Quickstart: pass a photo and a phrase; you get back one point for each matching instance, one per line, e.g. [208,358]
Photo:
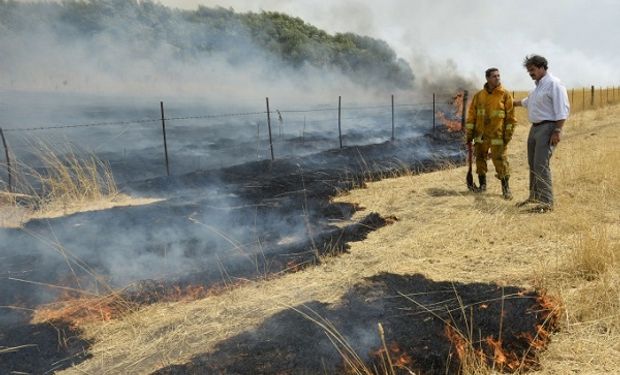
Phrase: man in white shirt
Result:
[548,108]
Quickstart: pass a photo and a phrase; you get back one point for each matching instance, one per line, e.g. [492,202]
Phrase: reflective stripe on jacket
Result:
[491,116]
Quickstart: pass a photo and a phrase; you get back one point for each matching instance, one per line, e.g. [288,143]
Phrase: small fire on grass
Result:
[523,353]
[397,357]
[452,120]
[78,311]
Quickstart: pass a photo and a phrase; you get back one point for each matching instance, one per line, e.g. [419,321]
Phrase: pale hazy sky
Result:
[578,37]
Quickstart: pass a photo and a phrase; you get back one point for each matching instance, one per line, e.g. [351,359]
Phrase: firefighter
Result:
[490,125]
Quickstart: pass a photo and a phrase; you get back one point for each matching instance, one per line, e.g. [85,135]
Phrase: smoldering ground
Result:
[224,218]
[109,70]
[415,315]
[244,221]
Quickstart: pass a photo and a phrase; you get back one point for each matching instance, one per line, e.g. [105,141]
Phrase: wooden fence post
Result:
[339,120]
[269,127]
[163,127]
[392,118]
[8,161]
[583,99]
[592,96]
[607,95]
[433,112]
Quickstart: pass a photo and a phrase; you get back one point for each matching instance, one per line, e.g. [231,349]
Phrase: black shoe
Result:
[482,178]
[506,193]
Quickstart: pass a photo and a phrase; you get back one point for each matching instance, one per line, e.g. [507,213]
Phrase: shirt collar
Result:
[544,78]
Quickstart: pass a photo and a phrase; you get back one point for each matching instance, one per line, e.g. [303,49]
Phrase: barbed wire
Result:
[226,115]
[81,125]
[135,121]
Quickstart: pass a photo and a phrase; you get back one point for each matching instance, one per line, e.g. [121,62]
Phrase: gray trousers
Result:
[539,153]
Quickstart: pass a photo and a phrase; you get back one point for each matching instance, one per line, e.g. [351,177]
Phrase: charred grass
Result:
[443,232]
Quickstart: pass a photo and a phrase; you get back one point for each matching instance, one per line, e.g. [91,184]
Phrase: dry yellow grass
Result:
[67,185]
[446,233]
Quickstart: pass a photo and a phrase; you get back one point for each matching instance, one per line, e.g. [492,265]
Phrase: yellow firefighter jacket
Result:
[491,117]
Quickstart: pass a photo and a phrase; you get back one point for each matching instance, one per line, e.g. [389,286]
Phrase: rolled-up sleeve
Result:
[561,104]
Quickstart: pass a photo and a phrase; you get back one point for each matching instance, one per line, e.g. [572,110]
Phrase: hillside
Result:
[445,234]
[119,31]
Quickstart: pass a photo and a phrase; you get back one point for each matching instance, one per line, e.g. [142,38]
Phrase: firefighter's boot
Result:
[482,178]
[506,193]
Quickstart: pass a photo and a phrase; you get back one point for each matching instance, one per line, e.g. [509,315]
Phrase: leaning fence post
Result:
[163,128]
[8,161]
[392,117]
[269,127]
[339,119]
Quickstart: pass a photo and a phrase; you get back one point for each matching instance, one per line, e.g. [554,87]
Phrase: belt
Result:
[544,122]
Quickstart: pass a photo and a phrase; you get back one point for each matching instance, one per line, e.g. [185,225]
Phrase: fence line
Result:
[285,123]
[226,115]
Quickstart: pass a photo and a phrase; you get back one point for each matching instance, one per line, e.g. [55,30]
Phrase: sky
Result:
[578,37]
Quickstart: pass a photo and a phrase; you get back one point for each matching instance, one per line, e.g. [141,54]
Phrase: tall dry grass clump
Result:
[69,180]
[63,182]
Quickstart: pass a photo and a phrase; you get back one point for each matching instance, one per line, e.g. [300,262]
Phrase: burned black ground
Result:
[414,312]
[293,193]
[41,348]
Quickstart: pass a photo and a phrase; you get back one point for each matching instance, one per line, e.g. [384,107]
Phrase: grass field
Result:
[446,233]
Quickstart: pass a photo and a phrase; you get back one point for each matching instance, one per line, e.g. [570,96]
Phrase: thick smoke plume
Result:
[140,48]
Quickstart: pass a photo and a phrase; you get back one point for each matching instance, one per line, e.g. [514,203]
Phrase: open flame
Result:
[80,310]
[494,352]
[452,120]
[499,357]
[398,357]
[456,338]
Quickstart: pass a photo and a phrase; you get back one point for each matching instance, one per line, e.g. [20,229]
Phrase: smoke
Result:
[122,54]
[578,37]
[111,69]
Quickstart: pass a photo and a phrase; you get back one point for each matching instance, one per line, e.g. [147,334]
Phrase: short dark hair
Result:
[535,60]
[488,72]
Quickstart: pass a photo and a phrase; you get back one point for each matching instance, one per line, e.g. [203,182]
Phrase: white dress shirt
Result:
[548,101]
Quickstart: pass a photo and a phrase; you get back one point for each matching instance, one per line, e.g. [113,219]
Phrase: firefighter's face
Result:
[493,79]
[535,72]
